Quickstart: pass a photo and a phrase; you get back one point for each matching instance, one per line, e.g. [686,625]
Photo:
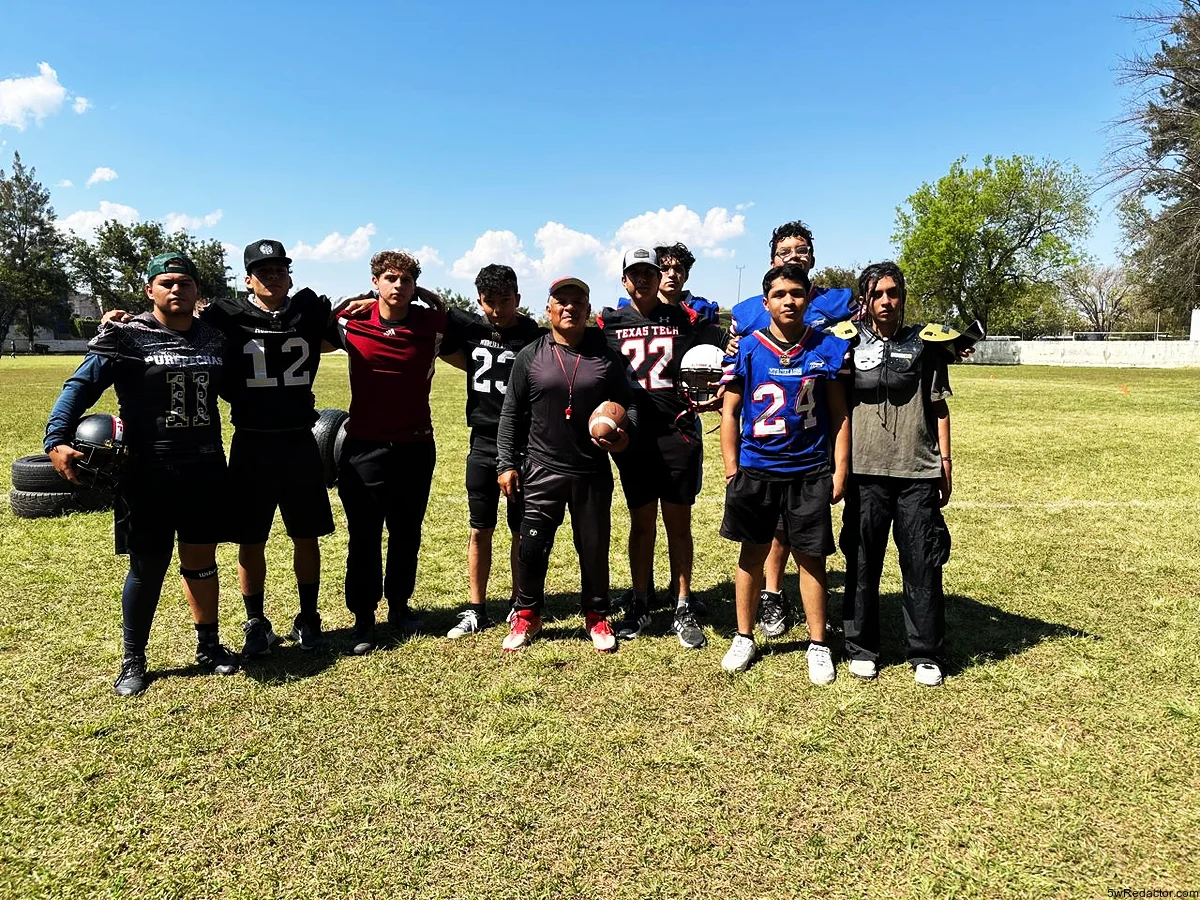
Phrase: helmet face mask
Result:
[100,437]
[700,368]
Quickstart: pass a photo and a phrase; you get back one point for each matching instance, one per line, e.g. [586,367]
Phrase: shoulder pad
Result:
[937,333]
[846,330]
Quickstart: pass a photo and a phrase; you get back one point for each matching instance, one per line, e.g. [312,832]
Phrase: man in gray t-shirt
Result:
[901,475]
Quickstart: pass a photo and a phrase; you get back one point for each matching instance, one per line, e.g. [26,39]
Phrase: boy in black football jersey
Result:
[485,348]
[167,368]
[663,465]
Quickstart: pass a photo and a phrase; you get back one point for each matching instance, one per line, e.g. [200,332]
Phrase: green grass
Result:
[1061,757]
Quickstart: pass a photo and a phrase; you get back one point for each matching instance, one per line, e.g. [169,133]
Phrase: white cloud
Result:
[501,247]
[102,173]
[81,105]
[718,252]
[560,247]
[31,98]
[336,248]
[427,256]
[747,205]
[86,221]
[65,183]
[184,222]
[681,224]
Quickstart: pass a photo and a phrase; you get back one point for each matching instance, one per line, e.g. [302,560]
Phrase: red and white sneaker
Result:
[600,632]
[525,627]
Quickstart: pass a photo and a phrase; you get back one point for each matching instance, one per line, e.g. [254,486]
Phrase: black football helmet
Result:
[100,437]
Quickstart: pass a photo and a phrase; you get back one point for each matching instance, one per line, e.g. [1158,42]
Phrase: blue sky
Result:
[545,135]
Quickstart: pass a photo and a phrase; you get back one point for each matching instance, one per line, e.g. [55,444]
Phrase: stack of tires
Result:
[39,491]
[330,433]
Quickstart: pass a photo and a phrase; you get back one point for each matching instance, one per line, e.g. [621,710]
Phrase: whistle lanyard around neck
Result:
[570,381]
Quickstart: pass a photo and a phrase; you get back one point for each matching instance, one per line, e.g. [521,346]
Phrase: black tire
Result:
[37,474]
[325,431]
[40,504]
[337,449]
[93,500]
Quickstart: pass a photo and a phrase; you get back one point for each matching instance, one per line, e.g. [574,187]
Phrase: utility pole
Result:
[738,297]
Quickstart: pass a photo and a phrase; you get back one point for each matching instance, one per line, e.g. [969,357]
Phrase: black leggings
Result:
[139,599]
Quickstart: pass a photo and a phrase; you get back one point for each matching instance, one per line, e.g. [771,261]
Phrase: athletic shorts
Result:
[666,467]
[754,507]
[277,470]
[483,490]
[155,504]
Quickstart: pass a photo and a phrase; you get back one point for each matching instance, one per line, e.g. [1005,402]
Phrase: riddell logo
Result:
[118,429]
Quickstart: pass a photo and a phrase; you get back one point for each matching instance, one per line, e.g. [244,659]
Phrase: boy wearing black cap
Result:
[167,368]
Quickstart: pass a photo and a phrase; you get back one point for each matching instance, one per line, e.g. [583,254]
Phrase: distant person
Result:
[902,477]
[546,452]
[12,349]
[486,348]
[167,367]
[785,441]
[791,243]
[386,469]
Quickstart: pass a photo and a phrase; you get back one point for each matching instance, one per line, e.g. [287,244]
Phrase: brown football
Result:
[605,419]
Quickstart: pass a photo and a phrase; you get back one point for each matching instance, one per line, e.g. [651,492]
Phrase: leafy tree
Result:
[33,281]
[982,243]
[836,277]
[455,300]
[1157,163]
[112,266]
[1101,294]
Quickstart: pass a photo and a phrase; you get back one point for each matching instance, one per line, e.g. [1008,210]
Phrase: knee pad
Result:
[199,574]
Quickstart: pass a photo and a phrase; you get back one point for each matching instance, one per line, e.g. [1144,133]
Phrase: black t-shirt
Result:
[167,384]
[654,346]
[273,359]
[547,379]
[490,354]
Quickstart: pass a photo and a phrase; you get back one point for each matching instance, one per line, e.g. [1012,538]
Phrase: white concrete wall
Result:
[1118,354]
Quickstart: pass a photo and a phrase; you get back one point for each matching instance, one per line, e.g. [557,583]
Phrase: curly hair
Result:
[870,277]
[397,260]
[496,280]
[678,252]
[796,229]
[790,271]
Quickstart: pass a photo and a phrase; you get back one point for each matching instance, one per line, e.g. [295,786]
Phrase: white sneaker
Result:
[740,655]
[470,621]
[863,668]
[820,664]
[928,674]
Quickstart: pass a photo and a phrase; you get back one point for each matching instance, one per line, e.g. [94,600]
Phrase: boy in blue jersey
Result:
[785,440]
[791,243]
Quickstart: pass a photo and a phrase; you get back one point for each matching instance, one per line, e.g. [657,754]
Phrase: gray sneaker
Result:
[260,637]
[687,628]
[773,613]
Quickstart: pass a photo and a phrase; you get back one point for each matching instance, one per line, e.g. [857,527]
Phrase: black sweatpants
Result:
[875,504]
[383,483]
[548,495]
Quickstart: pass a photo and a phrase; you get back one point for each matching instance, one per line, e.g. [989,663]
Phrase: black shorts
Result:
[156,503]
[483,490]
[269,470]
[666,467]
[754,508]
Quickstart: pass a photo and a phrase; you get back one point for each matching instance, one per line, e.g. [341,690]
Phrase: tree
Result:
[112,266]
[1101,294]
[1157,164]
[455,300]
[979,243]
[33,281]
[836,277]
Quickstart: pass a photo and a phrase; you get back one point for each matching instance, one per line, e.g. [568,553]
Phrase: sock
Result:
[254,605]
[308,598]
[364,620]
[480,609]
[682,603]
[748,637]
[207,634]
[813,643]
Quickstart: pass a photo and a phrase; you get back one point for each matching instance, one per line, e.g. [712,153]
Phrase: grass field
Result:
[1059,759]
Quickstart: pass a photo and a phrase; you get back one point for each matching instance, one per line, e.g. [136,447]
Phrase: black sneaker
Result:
[619,608]
[773,613]
[687,628]
[403,620]
[260,637]
[217,659]
[306,631]
[635,621]
[362,638]
[133,678]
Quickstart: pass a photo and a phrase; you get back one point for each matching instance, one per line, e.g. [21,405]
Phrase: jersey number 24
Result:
[769,423]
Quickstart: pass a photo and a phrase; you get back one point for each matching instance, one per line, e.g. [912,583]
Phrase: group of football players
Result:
[813,409]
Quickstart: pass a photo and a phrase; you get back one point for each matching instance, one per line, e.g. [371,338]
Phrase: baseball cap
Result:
[639,256]
[261,251]
[171,262]
[569,282]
